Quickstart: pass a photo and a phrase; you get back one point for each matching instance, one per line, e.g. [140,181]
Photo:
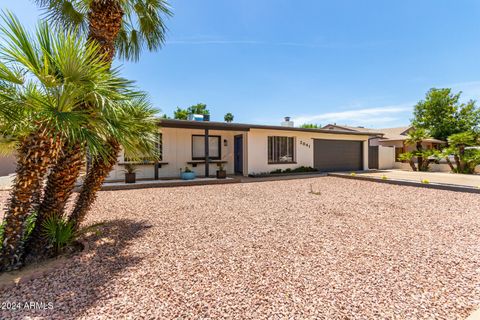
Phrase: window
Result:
[198,147]
[281,149]
[158,149]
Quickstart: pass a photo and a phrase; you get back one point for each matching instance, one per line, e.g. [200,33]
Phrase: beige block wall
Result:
[177,151]
[386,157]
[7,165]
[258,148]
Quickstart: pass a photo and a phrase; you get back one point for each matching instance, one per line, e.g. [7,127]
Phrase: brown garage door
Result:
[337,155]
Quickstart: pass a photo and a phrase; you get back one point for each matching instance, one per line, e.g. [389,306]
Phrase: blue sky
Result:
[350,62]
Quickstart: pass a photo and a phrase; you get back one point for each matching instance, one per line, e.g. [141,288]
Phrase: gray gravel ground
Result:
[357,250]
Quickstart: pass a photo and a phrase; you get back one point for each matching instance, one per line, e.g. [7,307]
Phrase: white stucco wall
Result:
[386,157]
[177,151]
[258,148]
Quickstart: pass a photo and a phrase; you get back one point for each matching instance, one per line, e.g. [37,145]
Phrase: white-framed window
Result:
[158,147]
[198,147]
[281,149]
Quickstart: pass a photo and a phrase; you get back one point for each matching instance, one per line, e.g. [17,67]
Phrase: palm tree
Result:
[465,160]
[416,137]
[125,26]
[46,79]
[228,117]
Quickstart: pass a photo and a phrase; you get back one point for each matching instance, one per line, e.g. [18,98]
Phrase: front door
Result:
[238,154]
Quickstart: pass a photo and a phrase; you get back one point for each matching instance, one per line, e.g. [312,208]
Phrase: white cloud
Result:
[373,117]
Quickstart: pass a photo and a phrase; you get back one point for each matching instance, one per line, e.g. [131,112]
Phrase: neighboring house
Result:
[250,149]
[391,137]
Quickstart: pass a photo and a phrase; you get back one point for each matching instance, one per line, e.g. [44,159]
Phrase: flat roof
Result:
[213,125]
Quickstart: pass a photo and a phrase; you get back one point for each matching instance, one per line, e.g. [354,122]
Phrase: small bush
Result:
[353,174]
[425,181]
[296,170]
[59,232]
[384,177]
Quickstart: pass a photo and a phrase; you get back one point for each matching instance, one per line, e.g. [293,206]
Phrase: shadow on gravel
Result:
[78,285]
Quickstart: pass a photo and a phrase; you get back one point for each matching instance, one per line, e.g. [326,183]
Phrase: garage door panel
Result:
[338,155]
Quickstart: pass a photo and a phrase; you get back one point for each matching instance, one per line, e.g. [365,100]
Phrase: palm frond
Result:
[143,27]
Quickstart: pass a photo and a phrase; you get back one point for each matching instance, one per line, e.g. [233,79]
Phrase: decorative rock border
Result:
[430,185]
[22,276]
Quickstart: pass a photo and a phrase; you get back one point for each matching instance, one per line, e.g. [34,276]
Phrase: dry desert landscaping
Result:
[349,250]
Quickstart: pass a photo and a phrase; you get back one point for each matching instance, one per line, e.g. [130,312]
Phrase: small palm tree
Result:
[416,137]
[465,160]
[46,79]
[228,117]
[125,26]
[408,157]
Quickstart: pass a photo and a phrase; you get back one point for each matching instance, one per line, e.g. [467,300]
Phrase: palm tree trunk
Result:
[93,182]
[34,156]
[450,164]
[60,184]
[105,21]
[412,164]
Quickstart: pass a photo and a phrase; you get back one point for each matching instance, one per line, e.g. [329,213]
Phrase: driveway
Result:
[469,180]
[326,248]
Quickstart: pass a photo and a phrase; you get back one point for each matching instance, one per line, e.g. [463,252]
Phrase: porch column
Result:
[156,165]
[207,158]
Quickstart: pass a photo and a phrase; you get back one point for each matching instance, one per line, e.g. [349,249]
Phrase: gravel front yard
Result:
[271,250]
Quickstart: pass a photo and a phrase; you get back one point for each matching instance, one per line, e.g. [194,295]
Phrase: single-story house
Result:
[391,137]
[246,149]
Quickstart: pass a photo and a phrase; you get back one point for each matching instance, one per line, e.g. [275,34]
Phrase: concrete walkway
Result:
[469,180]
[6,182]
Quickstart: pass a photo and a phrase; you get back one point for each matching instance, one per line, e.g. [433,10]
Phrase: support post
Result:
[156,170]
[207,156]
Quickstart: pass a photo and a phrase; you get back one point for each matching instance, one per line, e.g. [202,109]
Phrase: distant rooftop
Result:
[388,134]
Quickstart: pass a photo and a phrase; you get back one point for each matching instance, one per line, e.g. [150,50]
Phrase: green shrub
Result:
[384,177]
[29,225]
[2,230]
[425,181]
[296,170]
[61,232]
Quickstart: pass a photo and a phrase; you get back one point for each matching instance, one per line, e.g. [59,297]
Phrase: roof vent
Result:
[287,122]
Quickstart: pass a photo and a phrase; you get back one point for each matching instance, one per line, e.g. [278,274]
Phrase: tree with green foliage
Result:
[466,159]
[228,117]
[442,114]
[180,114]
[310,126]
[199,108]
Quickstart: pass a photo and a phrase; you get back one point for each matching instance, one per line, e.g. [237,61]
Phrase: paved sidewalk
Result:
[469,180]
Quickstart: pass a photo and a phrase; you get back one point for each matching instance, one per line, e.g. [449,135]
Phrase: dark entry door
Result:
[337,155]
[373,157]
[238,154]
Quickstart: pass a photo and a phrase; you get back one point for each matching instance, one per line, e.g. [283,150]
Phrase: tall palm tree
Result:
[123,26]
[45,81]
